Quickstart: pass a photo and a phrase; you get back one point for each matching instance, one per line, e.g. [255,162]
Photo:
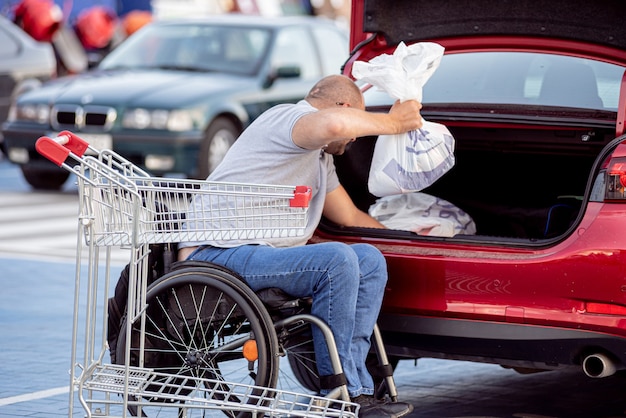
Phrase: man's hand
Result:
[407,115]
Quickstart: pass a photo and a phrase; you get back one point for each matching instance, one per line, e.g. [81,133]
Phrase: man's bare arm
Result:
[340,209]
[317,129]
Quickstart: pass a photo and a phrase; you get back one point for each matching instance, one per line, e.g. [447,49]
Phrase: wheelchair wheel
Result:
[298,367]
[198,322]
[297,345]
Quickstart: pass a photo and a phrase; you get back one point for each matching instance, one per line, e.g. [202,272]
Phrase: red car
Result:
[534,94]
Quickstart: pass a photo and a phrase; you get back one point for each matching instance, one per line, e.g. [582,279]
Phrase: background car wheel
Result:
[220,136]
[43,178]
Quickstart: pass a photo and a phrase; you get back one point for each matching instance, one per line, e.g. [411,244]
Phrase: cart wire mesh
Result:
[131,209]
[147,387]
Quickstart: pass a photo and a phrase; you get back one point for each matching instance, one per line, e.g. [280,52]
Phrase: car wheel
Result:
[43,178]
[220,136]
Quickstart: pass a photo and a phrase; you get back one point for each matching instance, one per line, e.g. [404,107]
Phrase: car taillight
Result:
[605,309]
[616,179]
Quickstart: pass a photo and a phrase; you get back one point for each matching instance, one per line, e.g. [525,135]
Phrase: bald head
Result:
[335,90]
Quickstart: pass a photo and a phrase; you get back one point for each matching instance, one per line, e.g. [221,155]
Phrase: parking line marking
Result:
[34,395]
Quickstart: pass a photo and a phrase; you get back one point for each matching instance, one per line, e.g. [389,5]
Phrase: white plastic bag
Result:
[412,161]
[423,214]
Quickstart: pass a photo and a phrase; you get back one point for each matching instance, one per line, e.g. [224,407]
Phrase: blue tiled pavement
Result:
[36,311]
[36,305]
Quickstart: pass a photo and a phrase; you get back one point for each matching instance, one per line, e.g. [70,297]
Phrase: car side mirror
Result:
[290,71]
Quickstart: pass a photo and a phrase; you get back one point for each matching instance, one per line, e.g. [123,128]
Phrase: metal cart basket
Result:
[122,206]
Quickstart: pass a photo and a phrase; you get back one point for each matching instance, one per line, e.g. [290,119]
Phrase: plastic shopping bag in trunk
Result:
[414,160]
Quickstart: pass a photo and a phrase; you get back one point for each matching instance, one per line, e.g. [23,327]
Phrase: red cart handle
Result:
[301,197]
[58,149]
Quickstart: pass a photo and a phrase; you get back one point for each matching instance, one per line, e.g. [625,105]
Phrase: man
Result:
[293,144]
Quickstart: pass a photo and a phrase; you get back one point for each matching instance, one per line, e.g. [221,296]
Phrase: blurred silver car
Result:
[24,63]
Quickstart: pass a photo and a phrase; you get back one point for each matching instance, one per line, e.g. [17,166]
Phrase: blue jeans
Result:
[346,282]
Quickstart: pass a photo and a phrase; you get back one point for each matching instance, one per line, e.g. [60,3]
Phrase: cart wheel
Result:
[204,322]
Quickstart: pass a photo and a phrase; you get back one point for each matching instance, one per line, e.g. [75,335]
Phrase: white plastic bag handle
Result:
[403,74]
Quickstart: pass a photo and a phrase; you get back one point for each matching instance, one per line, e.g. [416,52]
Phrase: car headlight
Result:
[30,112]
[171,120]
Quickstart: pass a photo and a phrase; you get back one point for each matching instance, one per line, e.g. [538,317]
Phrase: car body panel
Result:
[24,63]
[466,281]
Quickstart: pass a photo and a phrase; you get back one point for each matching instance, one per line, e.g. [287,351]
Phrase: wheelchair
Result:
[202,320]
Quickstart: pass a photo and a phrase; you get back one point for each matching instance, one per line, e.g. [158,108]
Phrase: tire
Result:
[192,314]
[220,136]
[44,178]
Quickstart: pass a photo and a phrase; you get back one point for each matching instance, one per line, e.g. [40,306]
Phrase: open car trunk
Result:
[531,102]
[520,184]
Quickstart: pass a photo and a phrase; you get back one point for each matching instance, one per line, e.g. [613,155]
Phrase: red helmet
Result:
[39,18]
[95,27]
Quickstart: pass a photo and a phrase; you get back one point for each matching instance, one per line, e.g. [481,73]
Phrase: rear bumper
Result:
[515,345]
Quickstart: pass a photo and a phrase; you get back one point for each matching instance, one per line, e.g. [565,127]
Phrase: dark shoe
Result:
[372,408]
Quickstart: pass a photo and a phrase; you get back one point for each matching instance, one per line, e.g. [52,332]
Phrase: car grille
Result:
[81,117]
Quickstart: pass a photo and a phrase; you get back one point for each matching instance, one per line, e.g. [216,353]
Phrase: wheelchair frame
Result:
[181,330]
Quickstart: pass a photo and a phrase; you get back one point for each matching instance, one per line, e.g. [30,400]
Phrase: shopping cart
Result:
[197,339]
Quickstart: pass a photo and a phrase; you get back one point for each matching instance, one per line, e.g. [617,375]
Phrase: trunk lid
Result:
[598,22]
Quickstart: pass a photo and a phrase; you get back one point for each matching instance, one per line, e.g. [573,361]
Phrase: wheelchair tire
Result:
[192,315]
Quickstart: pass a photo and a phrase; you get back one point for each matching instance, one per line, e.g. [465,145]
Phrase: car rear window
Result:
[520,79]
